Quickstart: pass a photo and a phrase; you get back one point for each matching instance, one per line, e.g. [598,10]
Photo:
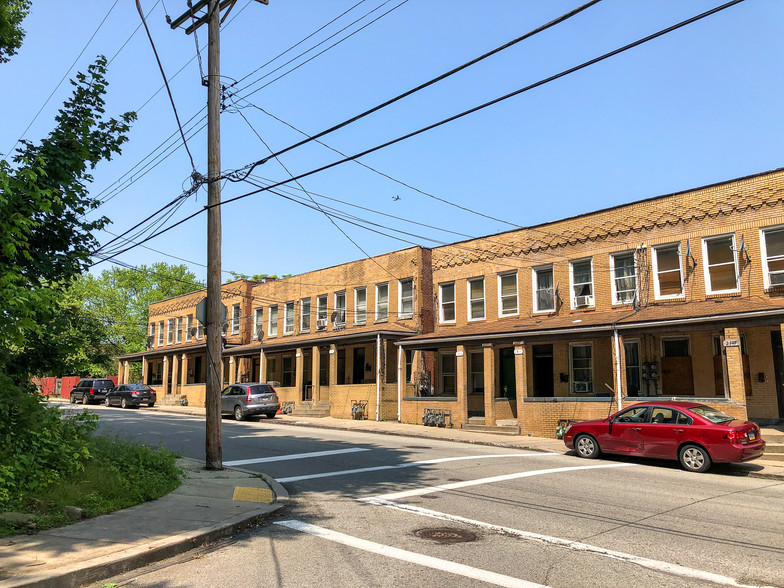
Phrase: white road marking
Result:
[409,464]
[294,456]
[410,556]
[491,480]
[651,564]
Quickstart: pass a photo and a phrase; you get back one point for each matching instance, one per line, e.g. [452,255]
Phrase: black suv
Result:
[91,390]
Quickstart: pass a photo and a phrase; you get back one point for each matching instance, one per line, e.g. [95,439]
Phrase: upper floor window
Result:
[235,319]
[773,255]
[321,312]
[170,331]
[406,306]
[304,315]
[667,269]
[151,339]
[340,308]
[178,332]
[258,324]
[507,294]
[544,289]
[721,264]
[360,306]
[476,299]
[272,329]
[624,277]
[189,328]
[582,282]
[382,302]
[447,299]
[288,318]
[160,333]
[199,330]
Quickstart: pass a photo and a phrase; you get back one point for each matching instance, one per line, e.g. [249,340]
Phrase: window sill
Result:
[430,398]
[723,294]
[567,399]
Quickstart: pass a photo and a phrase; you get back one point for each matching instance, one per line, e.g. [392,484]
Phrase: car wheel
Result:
[270,415]
[238,416]
[694,458]
[106,401]
[84,399]
[151,404]
[73,399]
[124,403]
[586,446]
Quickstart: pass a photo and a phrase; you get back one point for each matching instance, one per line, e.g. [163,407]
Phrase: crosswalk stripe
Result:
[239,462]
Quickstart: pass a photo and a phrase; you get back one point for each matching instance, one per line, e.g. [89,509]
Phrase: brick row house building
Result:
[677,296]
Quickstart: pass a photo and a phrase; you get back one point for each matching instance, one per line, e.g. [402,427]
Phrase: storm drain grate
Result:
[446,535]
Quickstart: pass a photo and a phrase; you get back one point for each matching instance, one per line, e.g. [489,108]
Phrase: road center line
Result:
[409,556]
[651,564]
[409,464]
[238,462]
[491,480]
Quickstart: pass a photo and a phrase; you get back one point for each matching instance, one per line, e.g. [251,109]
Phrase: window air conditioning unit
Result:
[583,300]
[321,324]
[583,387]
[777,279]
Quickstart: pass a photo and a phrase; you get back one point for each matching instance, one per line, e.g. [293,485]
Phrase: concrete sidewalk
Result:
[208,505]
[760,468]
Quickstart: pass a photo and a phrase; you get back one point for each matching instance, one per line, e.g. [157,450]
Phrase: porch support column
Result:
[144,370]
[521,380]
[737,388]
[126,372]
[175,374]
[315,373]
[462,384]
[490,382]
[232,371]
[262,367]
[120,373]
[416,371]
[165,383]
[333,366]
[184,375]
[401,376]
[298,375]
[618,367]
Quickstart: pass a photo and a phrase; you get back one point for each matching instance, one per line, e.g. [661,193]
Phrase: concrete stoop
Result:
[170,399]
[497,430]
[309,409]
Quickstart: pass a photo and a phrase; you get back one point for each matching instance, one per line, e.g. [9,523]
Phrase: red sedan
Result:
[695,434]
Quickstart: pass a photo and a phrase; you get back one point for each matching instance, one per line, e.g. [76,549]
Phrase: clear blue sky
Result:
[697,106]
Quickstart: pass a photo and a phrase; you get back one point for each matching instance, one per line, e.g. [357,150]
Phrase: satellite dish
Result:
[194,330]
[225,328]
[223,342]
[334,317]
[259,333]
[150,341]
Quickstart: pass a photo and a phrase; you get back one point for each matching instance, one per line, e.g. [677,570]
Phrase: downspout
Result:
[378,374]
[399,383]
[618,380]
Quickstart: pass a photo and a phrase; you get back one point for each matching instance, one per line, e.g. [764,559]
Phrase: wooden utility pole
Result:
[212,16]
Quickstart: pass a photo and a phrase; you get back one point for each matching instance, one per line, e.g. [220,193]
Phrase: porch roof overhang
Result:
[287,343]
[657,315]
[157,353]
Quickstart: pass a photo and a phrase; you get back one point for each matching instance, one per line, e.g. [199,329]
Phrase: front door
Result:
[677,371]
[543,370]
[358,370]
[778,365]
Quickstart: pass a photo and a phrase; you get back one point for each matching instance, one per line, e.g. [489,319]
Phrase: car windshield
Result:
[260,389]
[713,415]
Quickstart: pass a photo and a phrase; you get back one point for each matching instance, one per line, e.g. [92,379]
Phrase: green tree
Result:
[255,277]
[12,13]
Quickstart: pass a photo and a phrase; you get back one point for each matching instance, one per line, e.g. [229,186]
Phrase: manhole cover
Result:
[446,535]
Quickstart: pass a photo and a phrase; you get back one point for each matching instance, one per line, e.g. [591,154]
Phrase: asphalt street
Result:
[375,510]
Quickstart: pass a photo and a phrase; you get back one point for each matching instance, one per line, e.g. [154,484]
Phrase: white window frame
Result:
[199,330]
[656,290]
[340,318]
[534,287]
[272,325]
[178,331]
[572,284]
[442,303]
[288,318]
[379,305]
[304,315]
[188,327]
[152,333]
[516,310]
[170,331]
[258,322]
[470,300]
[235,319]
[764,254]
[707,265]
[400,313]
[322,311]
[360,309]
[160,334]
[572,381]
[614,278]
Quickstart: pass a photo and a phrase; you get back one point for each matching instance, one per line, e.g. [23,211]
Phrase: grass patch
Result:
[117,475]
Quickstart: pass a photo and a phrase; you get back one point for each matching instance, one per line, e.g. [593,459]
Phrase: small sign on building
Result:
[731,343]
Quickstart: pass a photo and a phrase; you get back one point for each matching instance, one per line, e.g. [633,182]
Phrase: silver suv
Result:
[254,398]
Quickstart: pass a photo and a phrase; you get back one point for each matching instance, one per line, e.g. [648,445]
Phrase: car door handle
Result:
[678,430]
[638,429]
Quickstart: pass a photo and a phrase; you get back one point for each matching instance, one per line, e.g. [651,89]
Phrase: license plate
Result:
[752,436]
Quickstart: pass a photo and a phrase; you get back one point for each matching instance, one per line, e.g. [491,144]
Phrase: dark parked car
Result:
[128,395]
[255,398]
[91,390]
[695,434]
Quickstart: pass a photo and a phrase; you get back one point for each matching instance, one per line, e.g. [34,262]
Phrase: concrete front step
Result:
[170,399]
[498,430]
[777,457]
[308,409]
[774,448]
